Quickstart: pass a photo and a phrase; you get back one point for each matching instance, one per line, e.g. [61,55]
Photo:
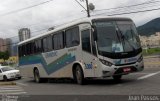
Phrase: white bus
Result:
[96,47]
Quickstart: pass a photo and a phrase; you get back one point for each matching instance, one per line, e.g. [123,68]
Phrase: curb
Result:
[7,83]
[158,56]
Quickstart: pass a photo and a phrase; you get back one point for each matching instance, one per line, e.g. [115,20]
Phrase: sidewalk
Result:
[6,83]
[152,56]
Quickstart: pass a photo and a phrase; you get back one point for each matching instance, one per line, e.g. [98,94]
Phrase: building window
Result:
[72,37]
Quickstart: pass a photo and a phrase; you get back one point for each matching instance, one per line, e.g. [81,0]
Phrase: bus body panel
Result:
[62,60]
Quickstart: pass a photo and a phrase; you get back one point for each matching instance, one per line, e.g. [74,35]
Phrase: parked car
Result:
[8,73]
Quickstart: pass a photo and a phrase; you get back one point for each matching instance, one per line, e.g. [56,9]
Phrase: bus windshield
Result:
[116,36]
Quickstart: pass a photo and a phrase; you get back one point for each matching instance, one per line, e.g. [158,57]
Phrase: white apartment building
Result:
[151,41]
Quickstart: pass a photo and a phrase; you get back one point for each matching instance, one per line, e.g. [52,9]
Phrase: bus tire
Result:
[5,78]
[117,77]
[19,78]
[79,76]
[37,76]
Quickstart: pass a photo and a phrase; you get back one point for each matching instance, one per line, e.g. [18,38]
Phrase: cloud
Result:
[55,13]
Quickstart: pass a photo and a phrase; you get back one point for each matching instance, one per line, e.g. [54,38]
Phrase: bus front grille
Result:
[121,70]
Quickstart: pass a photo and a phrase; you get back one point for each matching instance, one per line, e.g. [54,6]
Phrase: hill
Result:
[149,28]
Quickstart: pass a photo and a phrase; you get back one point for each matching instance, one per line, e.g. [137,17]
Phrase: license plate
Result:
[126,69]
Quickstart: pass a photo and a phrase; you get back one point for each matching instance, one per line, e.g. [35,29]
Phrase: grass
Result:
[151,51]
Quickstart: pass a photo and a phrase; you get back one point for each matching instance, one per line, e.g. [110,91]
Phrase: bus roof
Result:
[75,22]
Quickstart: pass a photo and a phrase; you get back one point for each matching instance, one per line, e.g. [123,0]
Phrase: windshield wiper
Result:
[123,37]
[119,39]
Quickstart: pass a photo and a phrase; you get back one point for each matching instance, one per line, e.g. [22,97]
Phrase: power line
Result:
[22,9]
[9,44]
[131,8]
[148,2]
[56,25]
[129,12]
[87,5]
[37,31]
[32,33]
[81,5]
[108,15]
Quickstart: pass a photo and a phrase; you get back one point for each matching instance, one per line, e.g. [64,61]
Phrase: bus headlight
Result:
[140,59]
[106,62]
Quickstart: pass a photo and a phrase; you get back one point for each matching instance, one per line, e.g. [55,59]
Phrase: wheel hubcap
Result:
[36,77]
[78,76]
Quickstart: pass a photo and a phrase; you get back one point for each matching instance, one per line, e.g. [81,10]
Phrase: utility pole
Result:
[89,7]
[88,12]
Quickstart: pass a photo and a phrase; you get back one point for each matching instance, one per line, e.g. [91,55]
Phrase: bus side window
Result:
[23,50]
[20,51]
[27,48]
[44,42]
[49,43]
[55,41]
[93,45]
[36,50]
[58,41]
[32,47]
[40,49]
[72,37]
[86,46]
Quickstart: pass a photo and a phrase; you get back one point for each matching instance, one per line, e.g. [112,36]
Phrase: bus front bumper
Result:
[123,70]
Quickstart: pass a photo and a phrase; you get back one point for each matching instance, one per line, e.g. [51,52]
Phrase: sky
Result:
[57,12]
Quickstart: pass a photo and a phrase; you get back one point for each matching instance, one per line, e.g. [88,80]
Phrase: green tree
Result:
[4,55]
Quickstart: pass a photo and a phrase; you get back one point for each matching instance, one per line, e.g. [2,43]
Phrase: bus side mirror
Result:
[94,31]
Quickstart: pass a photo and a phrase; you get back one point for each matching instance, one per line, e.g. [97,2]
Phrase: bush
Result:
[151,51]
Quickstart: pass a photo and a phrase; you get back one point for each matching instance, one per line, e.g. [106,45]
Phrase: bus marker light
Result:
[95,66]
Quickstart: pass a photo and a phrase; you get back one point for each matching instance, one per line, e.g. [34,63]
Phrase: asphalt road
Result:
[146,82]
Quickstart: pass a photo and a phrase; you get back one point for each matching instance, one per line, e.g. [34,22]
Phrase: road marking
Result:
[147,76]
[12,90]
[10,87]
[17,93]
[22,84]
[140,73]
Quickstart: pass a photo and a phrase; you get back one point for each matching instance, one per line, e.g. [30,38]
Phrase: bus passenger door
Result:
[87,55]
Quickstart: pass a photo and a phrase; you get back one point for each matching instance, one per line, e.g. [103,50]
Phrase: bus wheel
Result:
[37,76]
[117,77]
[79,75]
[5,78]
[19,77]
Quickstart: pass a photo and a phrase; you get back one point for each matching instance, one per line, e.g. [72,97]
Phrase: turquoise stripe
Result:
[50,68]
